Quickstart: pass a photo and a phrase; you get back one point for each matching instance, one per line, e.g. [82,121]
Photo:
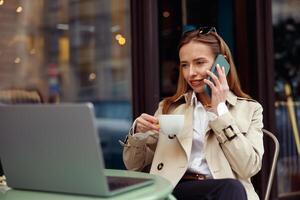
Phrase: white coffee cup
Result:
[171,124]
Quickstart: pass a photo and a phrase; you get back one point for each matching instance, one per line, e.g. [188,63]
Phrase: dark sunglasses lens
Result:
[202,30]
[206,30]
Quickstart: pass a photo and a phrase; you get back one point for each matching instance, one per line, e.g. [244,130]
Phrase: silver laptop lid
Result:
[52,148]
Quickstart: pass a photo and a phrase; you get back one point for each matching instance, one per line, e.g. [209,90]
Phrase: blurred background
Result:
[122,57]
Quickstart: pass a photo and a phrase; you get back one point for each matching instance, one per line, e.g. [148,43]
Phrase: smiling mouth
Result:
[195,83]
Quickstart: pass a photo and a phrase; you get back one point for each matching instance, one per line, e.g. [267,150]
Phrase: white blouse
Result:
[197,162]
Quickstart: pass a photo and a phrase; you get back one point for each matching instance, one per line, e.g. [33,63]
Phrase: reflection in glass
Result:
[72,50]
[286,27]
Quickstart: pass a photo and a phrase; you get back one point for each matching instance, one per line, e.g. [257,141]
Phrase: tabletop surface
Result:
[161,189]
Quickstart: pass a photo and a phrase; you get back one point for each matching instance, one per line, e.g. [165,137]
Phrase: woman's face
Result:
[195,59]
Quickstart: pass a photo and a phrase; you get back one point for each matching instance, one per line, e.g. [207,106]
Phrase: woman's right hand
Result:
[146,123]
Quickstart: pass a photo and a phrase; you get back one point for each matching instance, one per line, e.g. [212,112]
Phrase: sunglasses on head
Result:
[201,30]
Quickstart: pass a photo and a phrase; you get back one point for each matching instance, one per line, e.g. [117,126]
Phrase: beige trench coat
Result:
[239,158]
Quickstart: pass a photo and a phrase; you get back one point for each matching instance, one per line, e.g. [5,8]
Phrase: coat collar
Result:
[186,96]
[231,97]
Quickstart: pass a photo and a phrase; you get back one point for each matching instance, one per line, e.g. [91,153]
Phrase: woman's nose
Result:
[196,70]
[193,70]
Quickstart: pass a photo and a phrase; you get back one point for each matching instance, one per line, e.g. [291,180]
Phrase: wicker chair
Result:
[17,96]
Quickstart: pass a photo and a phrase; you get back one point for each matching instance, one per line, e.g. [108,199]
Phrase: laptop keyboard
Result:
[116,183]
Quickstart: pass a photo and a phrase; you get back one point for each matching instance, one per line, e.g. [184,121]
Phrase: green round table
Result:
[161,189]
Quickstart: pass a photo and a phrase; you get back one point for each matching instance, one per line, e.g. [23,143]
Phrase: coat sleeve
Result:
[139,148]
[244,152]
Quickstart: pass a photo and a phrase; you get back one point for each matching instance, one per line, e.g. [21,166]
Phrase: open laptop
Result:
[56,148]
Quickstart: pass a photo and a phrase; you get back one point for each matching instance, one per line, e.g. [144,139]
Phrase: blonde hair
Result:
[218,46]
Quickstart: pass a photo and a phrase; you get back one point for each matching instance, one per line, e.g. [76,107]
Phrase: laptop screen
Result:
[52,148]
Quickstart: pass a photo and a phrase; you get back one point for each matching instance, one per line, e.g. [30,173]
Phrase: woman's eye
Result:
[183,65]
[199,63]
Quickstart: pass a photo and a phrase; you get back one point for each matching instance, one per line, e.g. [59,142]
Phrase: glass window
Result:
[286,27]
[72,51]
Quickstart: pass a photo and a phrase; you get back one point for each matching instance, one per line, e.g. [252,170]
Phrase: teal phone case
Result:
[220,59]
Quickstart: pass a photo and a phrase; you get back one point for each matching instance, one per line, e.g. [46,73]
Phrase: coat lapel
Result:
[186,137]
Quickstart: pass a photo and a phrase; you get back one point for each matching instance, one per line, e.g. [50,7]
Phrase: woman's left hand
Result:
[219,87]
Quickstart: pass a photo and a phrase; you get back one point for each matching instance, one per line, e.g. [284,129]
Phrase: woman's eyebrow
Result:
[183,61]
[200,59]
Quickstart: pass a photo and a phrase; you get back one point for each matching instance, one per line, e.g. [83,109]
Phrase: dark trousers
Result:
[210,189]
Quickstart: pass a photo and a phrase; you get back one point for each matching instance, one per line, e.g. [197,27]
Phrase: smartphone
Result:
[220,59]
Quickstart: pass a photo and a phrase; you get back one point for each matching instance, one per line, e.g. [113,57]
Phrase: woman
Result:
[221,146]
